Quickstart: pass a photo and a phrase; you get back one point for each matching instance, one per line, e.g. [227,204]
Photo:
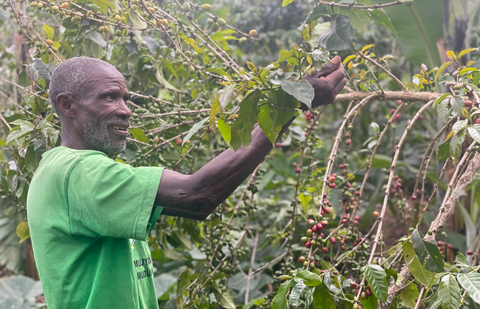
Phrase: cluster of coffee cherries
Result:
[309,116]
[443,247]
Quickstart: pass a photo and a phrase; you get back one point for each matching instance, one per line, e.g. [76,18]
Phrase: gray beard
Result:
[97,136]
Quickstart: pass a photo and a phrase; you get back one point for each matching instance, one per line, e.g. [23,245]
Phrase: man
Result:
[89,216]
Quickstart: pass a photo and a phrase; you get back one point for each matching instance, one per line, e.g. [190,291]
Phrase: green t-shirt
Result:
[89,219]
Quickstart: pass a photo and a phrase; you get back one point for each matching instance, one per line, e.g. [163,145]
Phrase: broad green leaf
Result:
[138,135]
[318,11]
[285,54]
[286,2]
[459,125]
[295,293]
[23,231]
[226,95]
[474,134]
[410,295]
[322,299]
[359,19]
[227,300]
[440,70]
[419,246]
[449,292]
[414,265]
[457,104]
[251,66]
[456,144]
[375,128]
[435,261]
[95,50]
[194,129]
[418,29]
[280,300]
[440,99]
[370,303]
[471,283]
[443,152]
[153,46]
[49,32]
[329,283]
[31,161]
[377,278]
[443,111]
[214,110]
[465,51]
[267,117]
[309,278]
[247,116]
[96,38]
[183,239]
[462,261]
[339,37]
[104,4]
[434,280]
[302,91]
[381,17]
[135,20]
[317,31]
[225,130]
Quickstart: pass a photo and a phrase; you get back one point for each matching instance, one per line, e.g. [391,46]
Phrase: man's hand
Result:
[327,82]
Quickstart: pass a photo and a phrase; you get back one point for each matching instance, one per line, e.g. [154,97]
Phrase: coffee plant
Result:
[359,203]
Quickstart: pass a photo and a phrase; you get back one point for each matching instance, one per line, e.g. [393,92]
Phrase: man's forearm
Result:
[203,191]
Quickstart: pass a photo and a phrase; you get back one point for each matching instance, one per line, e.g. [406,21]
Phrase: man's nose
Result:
[124,111]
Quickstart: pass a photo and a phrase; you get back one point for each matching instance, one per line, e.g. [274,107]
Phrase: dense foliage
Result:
[350,209]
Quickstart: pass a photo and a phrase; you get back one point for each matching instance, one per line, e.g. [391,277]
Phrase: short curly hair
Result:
[71,77]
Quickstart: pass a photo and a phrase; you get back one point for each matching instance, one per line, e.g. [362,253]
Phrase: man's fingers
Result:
[328,68]
[340,85]
[336,77]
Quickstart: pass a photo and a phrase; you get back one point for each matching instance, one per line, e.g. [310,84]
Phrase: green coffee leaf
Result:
[96,38]
[309,278]
[377,278]
[457,104]
[318,11]
[410,295]
[23,231]
[339,37]
[225,130]
[322,299]
[443,152]
[459,125]
[49,32]
[381,17]
[247,116]
[474,134]
[419,246]
[194,129]
[302,91]
[456,144]
[294,299]
[471,283]
[280,300]
[369,303]
[435,262]
[138,135]
[414,265]
[449,292]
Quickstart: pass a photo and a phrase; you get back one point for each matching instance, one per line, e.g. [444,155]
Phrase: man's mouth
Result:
[120,130]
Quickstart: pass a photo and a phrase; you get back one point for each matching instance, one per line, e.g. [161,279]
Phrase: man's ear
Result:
[66,105]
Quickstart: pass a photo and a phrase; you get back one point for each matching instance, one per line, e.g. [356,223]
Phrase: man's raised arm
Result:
[196,196]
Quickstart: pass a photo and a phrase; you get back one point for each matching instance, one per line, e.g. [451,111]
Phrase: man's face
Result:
[104,113]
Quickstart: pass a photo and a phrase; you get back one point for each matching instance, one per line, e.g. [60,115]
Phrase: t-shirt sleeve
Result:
[111,199]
